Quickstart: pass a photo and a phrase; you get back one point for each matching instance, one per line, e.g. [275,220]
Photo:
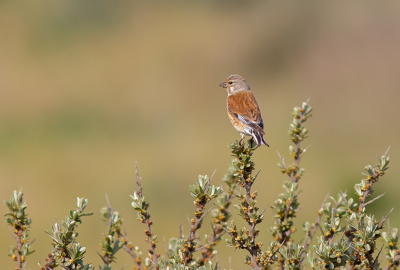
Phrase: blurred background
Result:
[88,87]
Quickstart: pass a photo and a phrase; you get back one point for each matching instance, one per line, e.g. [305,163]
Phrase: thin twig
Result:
[374,199]
[13,234]
[344,195]
[376,259]
[166,251]
[217,233]
[165,247]
[276,251]
[103,259]
[107,260]
[341,238]
[265,208]
[188,219]
[200,248]
[282,159]
[198,238]
[319,225]
[218,267]
[138,180]
[209,182]
[208,211]
[111,212]
[153,255]
[331,239]
[233,194]
[387,151]
[225,229]
[380,226]
[130,251]
[316,224]
[255,177]
[302,153]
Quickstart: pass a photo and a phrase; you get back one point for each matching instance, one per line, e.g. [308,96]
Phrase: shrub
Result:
[347,232]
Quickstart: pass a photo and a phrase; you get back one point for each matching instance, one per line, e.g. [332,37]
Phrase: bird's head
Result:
[235,83]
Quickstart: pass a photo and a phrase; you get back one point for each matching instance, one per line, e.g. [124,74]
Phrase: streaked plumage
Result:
[243,110]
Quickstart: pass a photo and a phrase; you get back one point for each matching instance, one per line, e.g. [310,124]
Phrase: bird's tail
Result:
[263,141]
[259,138]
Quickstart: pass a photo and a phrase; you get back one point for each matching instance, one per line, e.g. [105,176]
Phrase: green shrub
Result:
[347,239]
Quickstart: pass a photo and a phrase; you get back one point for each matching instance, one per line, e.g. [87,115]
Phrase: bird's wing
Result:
[244,106]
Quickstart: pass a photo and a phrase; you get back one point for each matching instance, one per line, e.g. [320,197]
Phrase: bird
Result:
[243,110]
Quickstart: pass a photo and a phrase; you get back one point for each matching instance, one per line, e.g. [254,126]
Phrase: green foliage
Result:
[180,250]
[20,223]
[245,237]
[328,256]
[292,256]
[347,240]
[221,215]
[286,207]
[112,243]
[66,252]
[392,251]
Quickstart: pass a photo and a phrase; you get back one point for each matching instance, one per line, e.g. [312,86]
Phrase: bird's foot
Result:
[251,141]
[241,142]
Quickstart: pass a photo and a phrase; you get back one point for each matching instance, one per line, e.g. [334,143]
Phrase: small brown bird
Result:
[243,109]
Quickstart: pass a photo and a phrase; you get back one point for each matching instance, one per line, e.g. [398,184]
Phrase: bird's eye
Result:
[230,82]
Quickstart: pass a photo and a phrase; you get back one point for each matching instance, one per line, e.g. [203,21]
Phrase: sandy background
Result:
[88,87]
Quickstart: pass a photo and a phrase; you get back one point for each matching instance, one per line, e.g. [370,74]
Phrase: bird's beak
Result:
[223,85]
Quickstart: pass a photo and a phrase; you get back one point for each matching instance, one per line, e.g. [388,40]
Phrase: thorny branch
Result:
[147,221]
